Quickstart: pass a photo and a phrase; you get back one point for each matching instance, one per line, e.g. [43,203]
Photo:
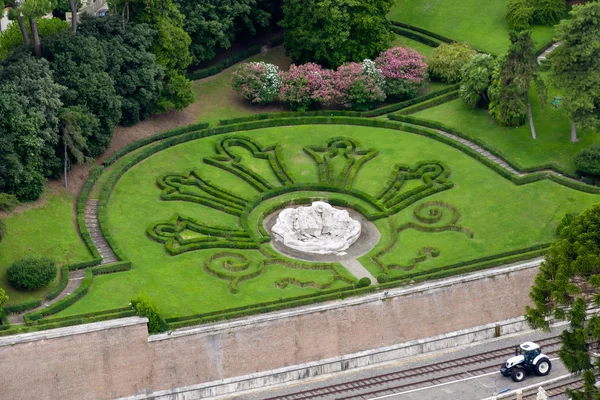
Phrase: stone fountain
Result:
[318,228]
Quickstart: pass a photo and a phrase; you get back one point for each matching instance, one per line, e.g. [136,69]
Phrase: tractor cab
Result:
[528,358]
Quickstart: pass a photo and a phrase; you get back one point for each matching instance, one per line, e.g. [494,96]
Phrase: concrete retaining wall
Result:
[117,359]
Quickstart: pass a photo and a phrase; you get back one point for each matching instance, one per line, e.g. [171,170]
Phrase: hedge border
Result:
[337,113]
[78,293]
[436,125]
[276,122]
[436,101]
[234,59]
[423,31]
[411,34]
[4,323]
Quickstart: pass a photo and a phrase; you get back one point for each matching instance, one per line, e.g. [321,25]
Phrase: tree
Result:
[476,79]
[29,127]
[79,63]
[75,121]
[447,61]
[139,78]
[576,66]
[213,24]
[510,104]
[171,46]
[332,32]
[12,38]
[33,9]
[570,277]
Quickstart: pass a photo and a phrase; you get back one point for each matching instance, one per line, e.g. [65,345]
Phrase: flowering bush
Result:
[403,70]
[304,85]
[355,89]
[257,82]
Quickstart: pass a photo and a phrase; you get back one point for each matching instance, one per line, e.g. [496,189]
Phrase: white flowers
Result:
[371,70]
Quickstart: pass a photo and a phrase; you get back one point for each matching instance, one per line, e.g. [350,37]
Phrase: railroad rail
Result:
[401,381]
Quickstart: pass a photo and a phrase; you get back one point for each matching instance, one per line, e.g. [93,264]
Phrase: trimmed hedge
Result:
[428,41]
[78,293]
[160,136]
[17,308]
[122,312]
[430,103]
[423,31]
[234,59]
[337,113]
[62,284]
[4,324]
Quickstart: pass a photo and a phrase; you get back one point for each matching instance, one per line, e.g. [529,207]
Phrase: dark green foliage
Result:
[29,105]
[587,162]
[447,61]
[568,278]
[137,75]
[364,282]
[8,202]
[383,278]
[564,223]
[476,79]
[512,79]
[31,273]
[12,38]
[524,13]
[3,298]
[80,64]
[576,65]
[145,307]
[332,32]
[214,24]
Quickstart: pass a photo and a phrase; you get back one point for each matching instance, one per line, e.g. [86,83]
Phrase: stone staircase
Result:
[91,222]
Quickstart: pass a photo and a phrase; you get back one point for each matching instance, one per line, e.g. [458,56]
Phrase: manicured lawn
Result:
[553,143]
[481,23]
[49,231]
[216,99]
[499,213]
[403,41]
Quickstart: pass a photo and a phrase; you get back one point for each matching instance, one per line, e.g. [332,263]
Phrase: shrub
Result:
[145,307]
[476,79]
[564,222]
[3,299]
[587,162]
[364,282]
[31,273]
[383,278]
[447,60]
[304,85]
[356,90]
[8,202]
[31,186]
[257,82]
[549,12]
[404,71]
[520,13]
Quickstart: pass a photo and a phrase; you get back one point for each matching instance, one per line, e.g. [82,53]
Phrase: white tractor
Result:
[528,358]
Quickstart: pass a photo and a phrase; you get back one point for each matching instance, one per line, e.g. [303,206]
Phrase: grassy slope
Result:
[498,211]
[48,231]
[482,23]
[553,142]
[402,41]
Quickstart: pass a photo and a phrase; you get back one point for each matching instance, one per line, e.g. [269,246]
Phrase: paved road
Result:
[464,387]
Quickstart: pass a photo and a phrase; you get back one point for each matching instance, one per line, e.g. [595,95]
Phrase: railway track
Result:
[400,381]
[557,389]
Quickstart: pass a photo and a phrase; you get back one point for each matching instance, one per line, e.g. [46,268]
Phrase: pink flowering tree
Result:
[257,82]
[356,88]
[404,71]
[304,85]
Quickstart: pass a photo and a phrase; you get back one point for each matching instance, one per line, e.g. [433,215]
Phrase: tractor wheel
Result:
[543,367]
[517,374]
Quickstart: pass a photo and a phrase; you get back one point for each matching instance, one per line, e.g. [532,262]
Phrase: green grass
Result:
[49,231]
[497,211]
[216,99]
[481,23]
[405,42]
[553,143]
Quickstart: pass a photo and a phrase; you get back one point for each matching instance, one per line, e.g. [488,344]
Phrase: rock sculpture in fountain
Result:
[318,228]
